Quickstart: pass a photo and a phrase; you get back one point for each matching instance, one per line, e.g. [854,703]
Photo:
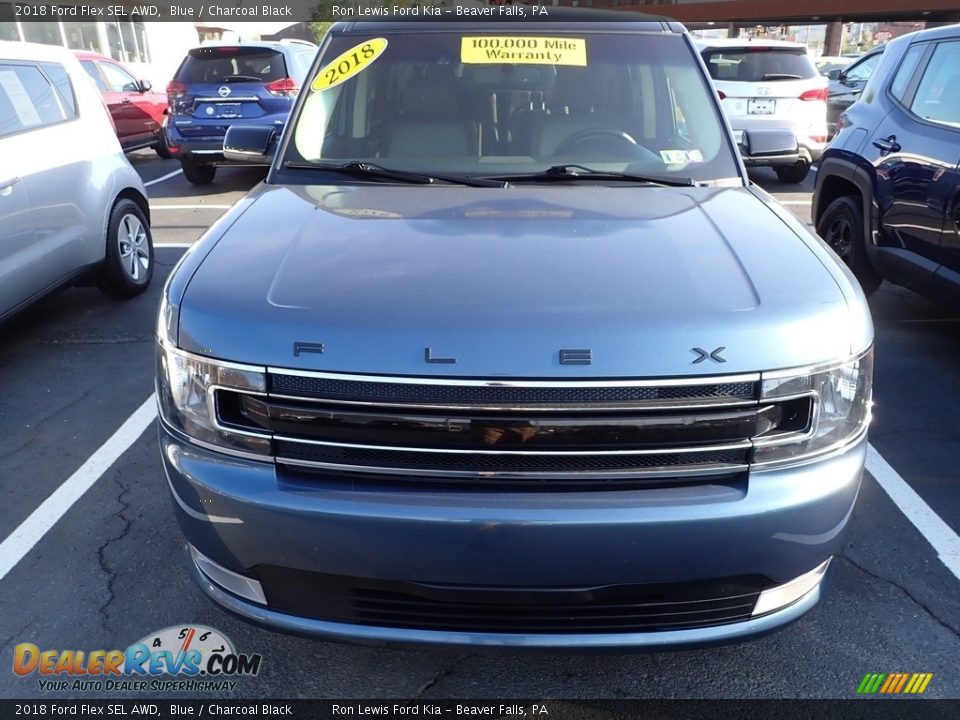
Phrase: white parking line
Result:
[791,202]
[171,245]
[161,179]
[190,207]
[31,530]
[943,539]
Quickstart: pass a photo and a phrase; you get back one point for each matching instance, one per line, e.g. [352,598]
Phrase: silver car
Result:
[72,209]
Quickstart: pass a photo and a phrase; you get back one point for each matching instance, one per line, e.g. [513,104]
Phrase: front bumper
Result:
[247,515]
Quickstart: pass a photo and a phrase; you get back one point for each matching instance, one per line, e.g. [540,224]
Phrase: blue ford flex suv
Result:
[219,85]
[508,351]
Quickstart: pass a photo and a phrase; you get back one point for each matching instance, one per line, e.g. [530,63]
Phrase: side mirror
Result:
[834,74]
[254,144]
[146,86]
[766,143]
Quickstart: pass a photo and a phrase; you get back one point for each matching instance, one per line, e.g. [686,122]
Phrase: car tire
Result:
[161,148]
[128,267]
[197,173]
[793,174]
[841,227]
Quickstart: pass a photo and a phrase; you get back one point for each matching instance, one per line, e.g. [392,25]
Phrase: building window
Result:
[8,30]
[47,33]
[128,42]
[82,36]
[114,41]
[143,50]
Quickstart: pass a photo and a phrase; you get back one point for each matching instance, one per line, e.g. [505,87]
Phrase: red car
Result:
[136,111]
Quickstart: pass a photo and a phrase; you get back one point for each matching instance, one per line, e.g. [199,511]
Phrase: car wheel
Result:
[198,174]
[793,174]
[841,227]
[128,267]
[161,148]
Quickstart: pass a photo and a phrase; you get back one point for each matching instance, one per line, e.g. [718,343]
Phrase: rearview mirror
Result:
[146,86]
[757,143]
[834,74]
[254,144]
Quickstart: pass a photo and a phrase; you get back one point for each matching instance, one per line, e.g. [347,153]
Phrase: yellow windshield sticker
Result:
[345,66]
[522,49]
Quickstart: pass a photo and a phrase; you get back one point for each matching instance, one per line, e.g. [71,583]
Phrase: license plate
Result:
[761,106]
[229,110]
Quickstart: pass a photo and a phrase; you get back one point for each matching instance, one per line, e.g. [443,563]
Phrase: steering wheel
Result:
[618,140]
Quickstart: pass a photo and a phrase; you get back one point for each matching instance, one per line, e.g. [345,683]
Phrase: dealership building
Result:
[151,50]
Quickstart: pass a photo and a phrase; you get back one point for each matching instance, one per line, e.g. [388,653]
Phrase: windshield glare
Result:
[509,102]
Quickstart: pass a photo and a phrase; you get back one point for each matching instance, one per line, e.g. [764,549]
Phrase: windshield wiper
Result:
[572,172]
[376,172]
[239,78]
[780,76]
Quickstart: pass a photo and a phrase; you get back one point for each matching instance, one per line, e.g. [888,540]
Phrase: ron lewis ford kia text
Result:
[507,351]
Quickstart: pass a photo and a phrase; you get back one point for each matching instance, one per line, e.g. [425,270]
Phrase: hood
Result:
[501,280]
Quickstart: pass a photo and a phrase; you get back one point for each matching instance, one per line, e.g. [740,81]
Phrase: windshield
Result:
[513,102]
[225,64]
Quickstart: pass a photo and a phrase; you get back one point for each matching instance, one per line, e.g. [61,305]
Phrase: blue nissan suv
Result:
[887,196]
[218,85]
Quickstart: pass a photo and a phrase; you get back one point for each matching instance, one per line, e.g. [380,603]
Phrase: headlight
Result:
[841,397]
[187,390]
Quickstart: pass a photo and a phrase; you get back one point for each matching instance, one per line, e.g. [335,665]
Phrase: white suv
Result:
[771,84]
[72,209]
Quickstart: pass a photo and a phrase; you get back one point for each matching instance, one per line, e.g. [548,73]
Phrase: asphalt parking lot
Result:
[111,570]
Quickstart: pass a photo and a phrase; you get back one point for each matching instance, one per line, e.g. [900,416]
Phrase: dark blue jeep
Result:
[887,196]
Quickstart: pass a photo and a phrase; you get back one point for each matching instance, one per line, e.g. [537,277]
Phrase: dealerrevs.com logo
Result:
[190,657]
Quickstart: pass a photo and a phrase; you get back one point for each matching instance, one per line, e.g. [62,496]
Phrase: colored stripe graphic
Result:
[903,681]
[894,683]
[923,679]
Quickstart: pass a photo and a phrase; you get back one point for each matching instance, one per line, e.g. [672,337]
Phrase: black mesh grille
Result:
[425,394]
[607,609]
[504,462]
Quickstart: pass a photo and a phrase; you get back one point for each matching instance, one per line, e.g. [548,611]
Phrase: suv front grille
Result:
[513,463]
[456,608]
[503,432]
[566,396]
